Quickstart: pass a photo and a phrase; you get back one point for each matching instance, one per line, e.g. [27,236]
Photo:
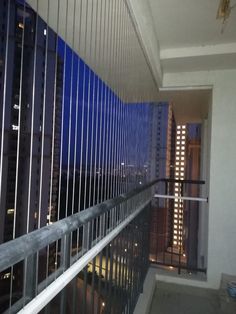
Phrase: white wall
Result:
[203,206]
[222,172]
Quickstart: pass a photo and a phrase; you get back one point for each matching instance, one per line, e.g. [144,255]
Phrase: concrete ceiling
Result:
[190,105]
[190,36]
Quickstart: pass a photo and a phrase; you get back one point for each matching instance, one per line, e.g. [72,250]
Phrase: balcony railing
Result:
[44,262]
[99,256]
[174,230]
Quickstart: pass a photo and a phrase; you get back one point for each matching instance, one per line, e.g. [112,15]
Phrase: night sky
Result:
[97,97]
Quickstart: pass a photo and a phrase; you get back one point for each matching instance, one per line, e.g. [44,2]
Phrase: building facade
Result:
[28,107]
[162,154]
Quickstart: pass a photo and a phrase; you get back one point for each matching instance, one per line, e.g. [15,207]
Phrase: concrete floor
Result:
[171,298]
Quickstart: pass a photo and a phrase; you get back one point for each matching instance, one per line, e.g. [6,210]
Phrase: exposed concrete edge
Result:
[183,281]
[145,298]
[140,13]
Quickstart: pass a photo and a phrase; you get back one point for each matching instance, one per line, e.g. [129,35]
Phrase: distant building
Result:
[191,209]
[162,154]
[162,141]
[20,99]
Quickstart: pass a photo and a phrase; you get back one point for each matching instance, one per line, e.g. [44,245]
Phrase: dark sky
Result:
[97,97]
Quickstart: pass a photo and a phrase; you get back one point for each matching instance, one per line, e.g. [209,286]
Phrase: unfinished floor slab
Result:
[171,298]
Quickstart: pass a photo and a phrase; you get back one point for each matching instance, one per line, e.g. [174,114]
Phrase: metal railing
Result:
[77,239]
[169,222]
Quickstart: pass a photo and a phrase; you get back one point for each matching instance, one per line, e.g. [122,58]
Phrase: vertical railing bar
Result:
[106,270]
[108,126]
[53,131]
[19,123]
[108,132]
[4,95]
[119,104]
[44,117]
[101,109]
[99,282]
[54,108]
[70,101]
[78,77]
[63,112]
[114,244]
[93,156]
[31,148]
[19,130]
[32,118]
[104,106]
[128,122]
[88,113]
[62,133]
[93,285]
[112,150]
[97,57]
[76,115]
[110,286]
[83,106]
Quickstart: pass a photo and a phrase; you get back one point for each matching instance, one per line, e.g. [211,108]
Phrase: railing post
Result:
[87,237]
[64,263]
[30,276]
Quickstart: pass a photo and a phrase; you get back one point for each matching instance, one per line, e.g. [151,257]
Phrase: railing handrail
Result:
[20,248]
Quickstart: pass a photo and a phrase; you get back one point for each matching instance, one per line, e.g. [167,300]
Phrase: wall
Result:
[222,171]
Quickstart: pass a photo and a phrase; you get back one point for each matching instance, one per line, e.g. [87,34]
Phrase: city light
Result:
[179,175]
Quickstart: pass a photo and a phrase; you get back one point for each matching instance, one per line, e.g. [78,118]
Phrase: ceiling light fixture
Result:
[224,11]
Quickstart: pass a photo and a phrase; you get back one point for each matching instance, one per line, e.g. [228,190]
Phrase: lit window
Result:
[21,25]
[15,106]
[10,211]
[15,127]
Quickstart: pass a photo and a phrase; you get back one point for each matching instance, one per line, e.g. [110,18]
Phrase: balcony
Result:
[126,93]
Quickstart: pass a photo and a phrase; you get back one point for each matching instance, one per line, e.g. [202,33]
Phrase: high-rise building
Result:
[28,106]
[191,209]
[162,152]
[162,141]
[180,160]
